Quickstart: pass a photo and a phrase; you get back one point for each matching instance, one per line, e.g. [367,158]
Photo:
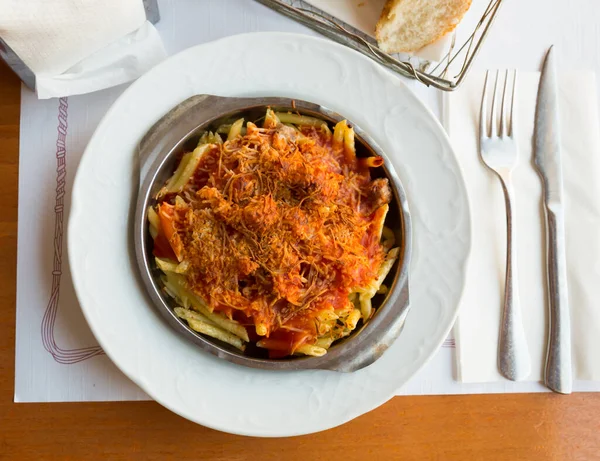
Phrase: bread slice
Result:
[409,25]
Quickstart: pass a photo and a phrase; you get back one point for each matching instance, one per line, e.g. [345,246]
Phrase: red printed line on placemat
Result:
[449,342]
[64,356]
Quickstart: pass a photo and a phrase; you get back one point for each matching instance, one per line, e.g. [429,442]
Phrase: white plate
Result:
[175,372]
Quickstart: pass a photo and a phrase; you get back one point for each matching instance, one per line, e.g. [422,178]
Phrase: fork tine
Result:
[504,109]
[483,122]
[513,110]
[494,124]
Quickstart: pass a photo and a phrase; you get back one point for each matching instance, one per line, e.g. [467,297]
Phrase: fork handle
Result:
[513,354]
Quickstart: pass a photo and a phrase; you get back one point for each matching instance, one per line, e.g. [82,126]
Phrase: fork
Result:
[499,152]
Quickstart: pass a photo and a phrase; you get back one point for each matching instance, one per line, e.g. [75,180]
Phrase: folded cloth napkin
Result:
[80,46]
[476,330]
[363,15]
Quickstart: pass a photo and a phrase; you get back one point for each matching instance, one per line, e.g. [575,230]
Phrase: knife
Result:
[548,162]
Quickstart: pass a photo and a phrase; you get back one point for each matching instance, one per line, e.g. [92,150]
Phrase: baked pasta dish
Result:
[271,235]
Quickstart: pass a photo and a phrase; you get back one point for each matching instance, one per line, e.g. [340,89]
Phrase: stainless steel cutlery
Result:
[548,161]
[499,151]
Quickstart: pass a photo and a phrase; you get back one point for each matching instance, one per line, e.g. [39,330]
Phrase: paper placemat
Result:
[57,357]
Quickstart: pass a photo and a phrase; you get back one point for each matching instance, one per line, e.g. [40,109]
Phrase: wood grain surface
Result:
[476,427]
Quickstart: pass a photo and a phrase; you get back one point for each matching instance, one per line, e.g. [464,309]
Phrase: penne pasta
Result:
[343,139]
[324,342]
[352,319]
[174,291]
[308,349]
[166,265]
[167,227]
[176,284]
[379,220]
[339,133]
[300,120]
[349,148]
[365,306]
[327,316]
[326,321]
[324,328]
[236,129]
[224,129]
[210,138]
[383,289]
[173,294]
[370,162]
[271,120]
[388,235]
[261,329]
[384,270]
[185,170]
[217,333]
[326,131]
[233,213]
[222,321]
[187,314]
[153,223]
[179,202]
[153,231]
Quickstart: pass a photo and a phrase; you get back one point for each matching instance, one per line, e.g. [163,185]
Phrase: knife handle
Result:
[558,374]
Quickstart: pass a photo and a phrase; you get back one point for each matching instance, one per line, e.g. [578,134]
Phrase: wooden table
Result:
[478,427]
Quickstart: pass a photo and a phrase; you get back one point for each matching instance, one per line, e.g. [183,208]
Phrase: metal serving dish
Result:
[179,130]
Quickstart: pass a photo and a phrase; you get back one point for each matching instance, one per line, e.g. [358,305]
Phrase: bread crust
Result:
[461,7]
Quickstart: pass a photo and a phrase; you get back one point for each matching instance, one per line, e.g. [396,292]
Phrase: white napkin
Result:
[476,330]
[364,14]
[80,46]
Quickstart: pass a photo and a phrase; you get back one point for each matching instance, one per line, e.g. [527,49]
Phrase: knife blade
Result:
[548,161]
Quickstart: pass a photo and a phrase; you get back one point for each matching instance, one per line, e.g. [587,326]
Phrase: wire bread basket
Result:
[446,75]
